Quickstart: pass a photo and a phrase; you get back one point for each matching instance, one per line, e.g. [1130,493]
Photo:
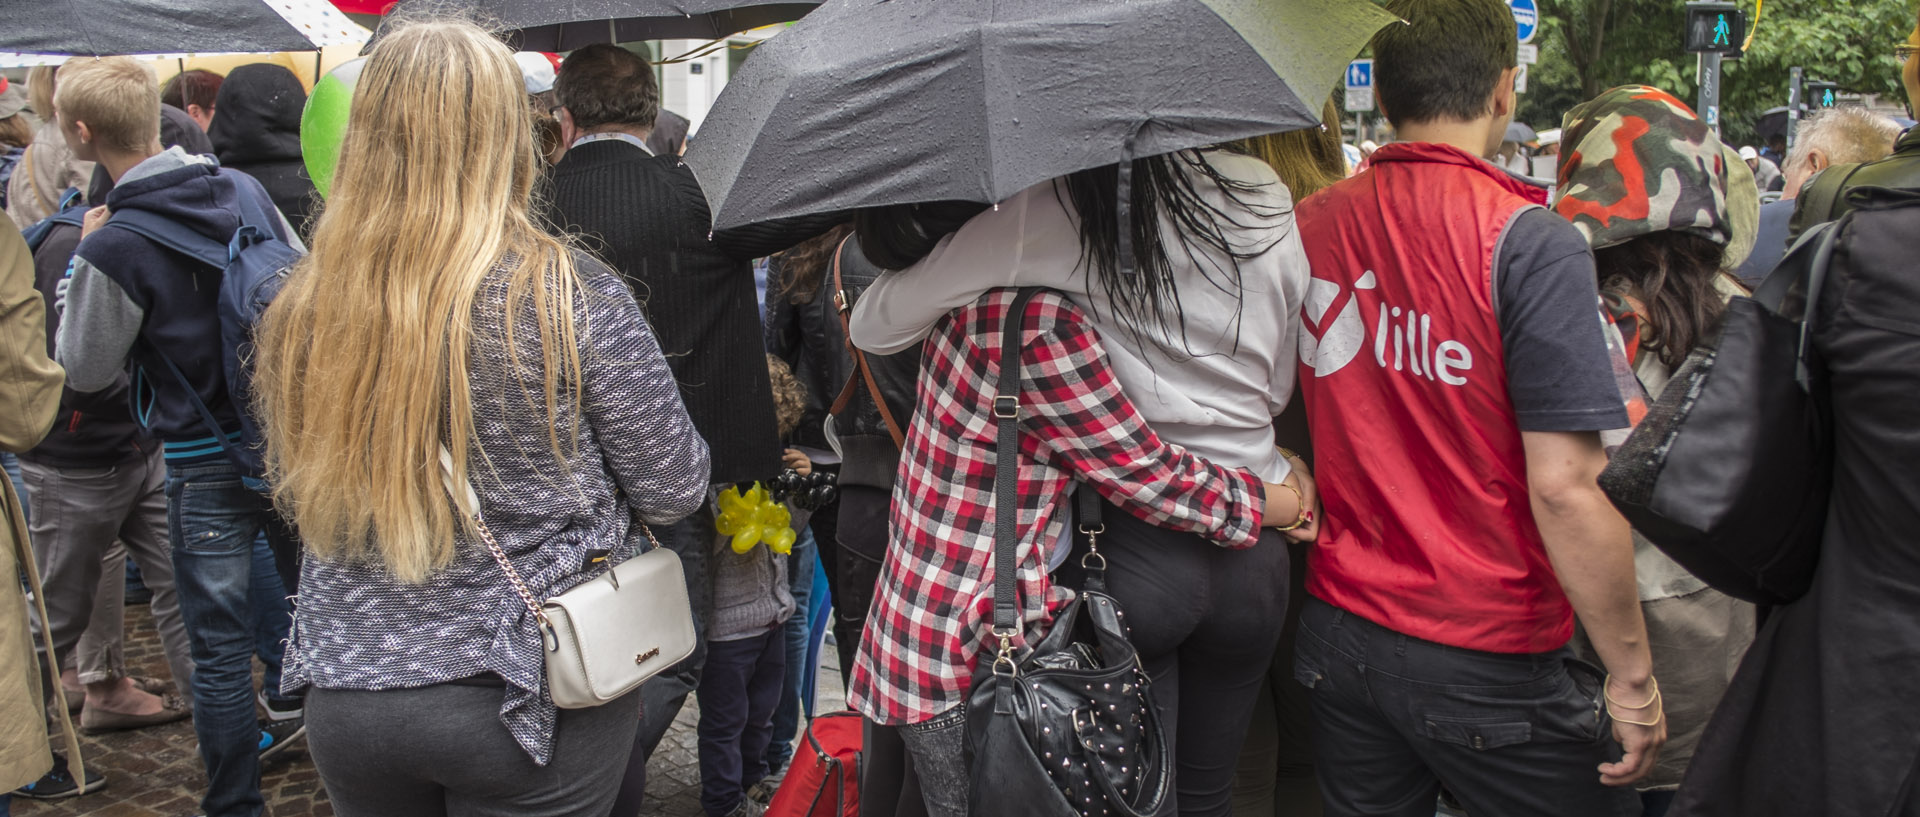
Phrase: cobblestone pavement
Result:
[156,772]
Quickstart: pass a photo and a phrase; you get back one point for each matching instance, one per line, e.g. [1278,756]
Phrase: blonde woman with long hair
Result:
[434,312]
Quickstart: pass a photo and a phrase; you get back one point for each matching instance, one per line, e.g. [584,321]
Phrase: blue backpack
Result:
[254,264]
[72,211]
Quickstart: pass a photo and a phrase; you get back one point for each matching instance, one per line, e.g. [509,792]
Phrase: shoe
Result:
[58,783]
[282,710]
[276,736]
[96,721]
[748,808]
[763,791]
[151,685]
[139,595]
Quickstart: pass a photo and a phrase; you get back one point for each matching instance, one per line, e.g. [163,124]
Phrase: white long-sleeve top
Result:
[1215,390]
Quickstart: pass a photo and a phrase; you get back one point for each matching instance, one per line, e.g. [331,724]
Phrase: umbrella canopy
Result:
[44,31]
[1520,132]
[564,25]
[872,102]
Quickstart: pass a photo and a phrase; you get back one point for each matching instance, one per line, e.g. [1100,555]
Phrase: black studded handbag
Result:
[1067,727]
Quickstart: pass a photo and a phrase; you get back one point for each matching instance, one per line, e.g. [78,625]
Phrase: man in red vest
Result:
[1457,376]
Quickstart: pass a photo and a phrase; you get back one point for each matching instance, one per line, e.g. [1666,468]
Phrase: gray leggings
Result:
[441,750]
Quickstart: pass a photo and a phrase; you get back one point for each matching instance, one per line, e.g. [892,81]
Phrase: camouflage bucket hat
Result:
[1636,161]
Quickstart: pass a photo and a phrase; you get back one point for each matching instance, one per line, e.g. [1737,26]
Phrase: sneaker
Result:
[276,736]
[748,808]
[58,783]
[278,710]
[763,791]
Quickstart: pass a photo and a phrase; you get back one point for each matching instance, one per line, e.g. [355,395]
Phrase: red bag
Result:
[824,782]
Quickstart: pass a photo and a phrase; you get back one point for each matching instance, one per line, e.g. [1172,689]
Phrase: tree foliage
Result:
[1587,46]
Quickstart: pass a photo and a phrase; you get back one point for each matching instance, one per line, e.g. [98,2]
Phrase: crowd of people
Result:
[1342,423]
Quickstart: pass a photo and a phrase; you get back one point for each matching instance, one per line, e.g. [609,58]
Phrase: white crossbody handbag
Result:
[605,637]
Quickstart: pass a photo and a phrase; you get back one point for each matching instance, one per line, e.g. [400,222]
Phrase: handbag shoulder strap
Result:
[1006,476]
[468,501]
[843,305]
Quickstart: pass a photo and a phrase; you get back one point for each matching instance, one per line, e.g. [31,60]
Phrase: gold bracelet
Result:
[1608,693]
[1657,718]
[1304,513]
[1289,454]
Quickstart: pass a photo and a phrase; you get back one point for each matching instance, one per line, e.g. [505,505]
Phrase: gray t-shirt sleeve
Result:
[1559,373]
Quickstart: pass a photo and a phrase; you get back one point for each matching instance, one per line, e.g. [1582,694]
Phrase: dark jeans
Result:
[938,747]
[212,519]
[1275,778]
[662,695]
[794,637]
[272,616]
[1205,620]
[738,691]
[442,750]
[889,786]
[1396,717]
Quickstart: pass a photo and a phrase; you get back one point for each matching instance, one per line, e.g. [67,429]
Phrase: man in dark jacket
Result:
[256,130]
[647,217]
[128,299]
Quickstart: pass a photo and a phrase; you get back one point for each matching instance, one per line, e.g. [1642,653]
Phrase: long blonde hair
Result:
[362,373]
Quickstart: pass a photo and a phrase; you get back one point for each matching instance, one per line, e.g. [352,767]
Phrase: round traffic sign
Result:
[1526,18]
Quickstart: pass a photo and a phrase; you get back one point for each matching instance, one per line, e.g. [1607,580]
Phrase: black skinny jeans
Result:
[1205,620]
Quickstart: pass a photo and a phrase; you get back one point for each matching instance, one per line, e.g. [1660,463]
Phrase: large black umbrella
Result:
[107,27]
[871,102]
[564,25]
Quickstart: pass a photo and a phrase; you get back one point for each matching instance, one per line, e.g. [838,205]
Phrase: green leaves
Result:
[1587,46]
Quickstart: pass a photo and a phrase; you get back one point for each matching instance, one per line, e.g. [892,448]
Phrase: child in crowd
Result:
[746,651]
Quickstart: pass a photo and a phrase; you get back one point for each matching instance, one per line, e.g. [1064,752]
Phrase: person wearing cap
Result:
[1669,214]
[537,73]
[1766,174]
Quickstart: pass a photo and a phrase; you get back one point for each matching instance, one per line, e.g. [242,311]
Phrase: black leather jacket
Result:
[810,338]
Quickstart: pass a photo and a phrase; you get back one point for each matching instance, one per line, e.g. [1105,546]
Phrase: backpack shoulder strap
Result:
[170,234]
[1821,197]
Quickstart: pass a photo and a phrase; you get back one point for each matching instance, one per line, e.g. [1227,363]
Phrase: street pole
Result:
[1709,78]
[1796,90]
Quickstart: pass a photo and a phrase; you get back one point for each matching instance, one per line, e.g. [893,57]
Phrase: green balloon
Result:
[323,125]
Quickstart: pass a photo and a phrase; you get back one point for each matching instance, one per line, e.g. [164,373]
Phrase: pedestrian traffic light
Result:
[1714,28]
[1822,95]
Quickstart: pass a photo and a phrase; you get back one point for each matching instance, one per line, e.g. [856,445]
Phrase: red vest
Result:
[1428,529]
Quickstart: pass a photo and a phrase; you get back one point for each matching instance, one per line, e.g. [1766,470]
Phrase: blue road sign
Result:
[1526,18]
[1360,74]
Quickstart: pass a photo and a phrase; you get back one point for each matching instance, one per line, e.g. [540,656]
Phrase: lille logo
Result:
[1335,333]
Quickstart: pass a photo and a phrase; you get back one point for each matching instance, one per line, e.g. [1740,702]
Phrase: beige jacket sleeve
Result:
[29,381]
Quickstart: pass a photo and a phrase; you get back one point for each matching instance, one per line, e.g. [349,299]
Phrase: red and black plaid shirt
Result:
[933,608]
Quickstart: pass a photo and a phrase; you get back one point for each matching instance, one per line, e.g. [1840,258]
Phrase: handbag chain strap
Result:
[499,553]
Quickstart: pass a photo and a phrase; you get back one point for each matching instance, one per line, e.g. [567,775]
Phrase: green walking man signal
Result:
[1823,94]
[1714,28]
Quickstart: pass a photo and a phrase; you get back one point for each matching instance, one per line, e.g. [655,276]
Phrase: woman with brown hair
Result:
[1665,266]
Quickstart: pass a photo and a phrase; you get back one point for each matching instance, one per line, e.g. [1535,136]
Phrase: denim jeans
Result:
[272,616]
[786,716]
[213,520]
[1396,716]
[12,465]
[938,747]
